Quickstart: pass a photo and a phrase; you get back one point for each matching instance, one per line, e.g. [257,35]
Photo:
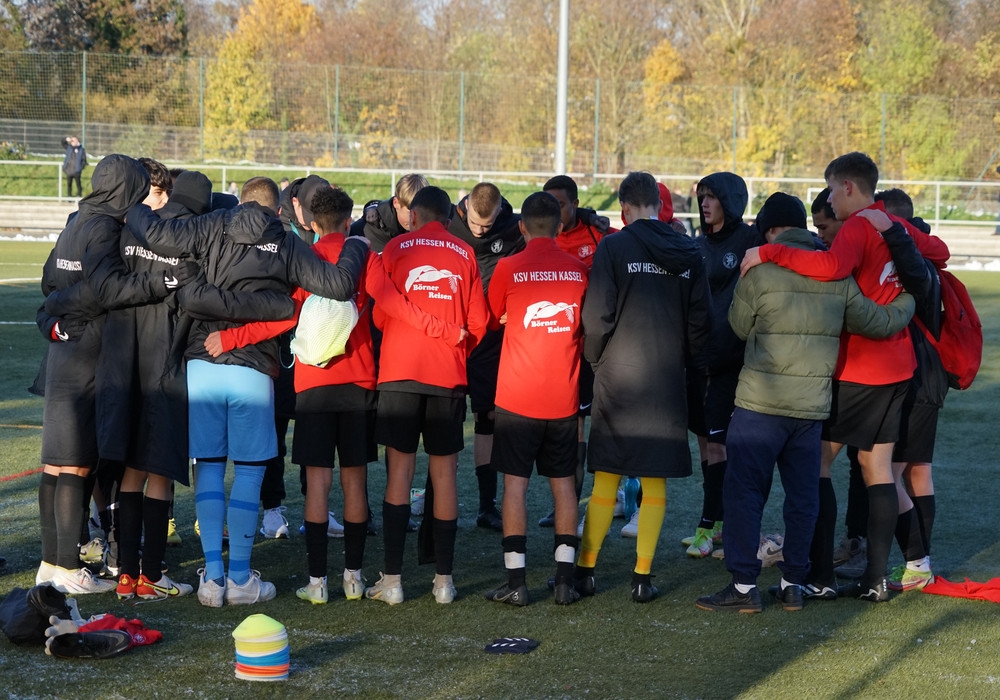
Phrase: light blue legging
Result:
[241,516]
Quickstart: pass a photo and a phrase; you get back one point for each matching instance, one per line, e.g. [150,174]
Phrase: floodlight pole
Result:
[562,89]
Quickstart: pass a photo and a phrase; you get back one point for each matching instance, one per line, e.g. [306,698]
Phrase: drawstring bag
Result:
[323,329]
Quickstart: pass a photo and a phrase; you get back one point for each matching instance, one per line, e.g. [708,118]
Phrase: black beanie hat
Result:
[193,190]
[781,209]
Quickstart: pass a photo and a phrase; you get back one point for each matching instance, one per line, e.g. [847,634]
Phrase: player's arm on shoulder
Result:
[331,280]
[819,265]
[862,316]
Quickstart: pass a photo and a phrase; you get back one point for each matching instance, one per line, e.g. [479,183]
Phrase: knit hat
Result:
[781,209]
[193,191]
[310,186]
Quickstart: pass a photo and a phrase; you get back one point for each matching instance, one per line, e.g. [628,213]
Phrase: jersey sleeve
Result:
[478,315]
[834,264]
[497,296]
[252,333]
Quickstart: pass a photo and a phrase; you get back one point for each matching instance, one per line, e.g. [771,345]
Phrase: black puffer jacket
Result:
[245,250]
[504,237]
[378,224]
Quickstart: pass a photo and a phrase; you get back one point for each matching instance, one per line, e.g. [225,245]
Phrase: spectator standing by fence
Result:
[74,163]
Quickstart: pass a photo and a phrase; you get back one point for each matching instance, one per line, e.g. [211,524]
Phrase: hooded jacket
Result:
[245,250]
[648,310]
[723,252]
[504,237]
[792,326]
[378,224]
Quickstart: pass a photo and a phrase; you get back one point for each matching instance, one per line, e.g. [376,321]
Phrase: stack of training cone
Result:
[261,649]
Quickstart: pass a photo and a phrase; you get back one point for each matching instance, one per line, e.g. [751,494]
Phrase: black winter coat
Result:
[504,237]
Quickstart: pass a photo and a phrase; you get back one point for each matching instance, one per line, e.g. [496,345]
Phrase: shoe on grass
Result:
[354,584]
[565,592]
[630,530]
[274,525]
[79,581]
[877,592]
[210,594]
[160,590]
[548,521]
[643,589]
[93,551]
[819,591]
[906,578]
[849,548]
[315,593]
[716,535]
[443,589]
[388,589]
[731,600]
[770,550]
[510,596]
[173,539]
[490,518]
[126,587]
[855,567]
[791,596]
[702,545]
[253,591]
[45,573]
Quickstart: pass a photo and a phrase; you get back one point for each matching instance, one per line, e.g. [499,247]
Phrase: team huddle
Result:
[170,311]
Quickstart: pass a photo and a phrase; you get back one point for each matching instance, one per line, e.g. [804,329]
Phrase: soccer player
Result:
[422,382]
[792,326]
[648,309]
[388,218]
[537,294]
[871,378]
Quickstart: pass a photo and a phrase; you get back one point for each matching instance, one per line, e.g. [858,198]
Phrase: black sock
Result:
[355,535]
[154,523]
[487,478]
[272,487]
[926,507]
[129,531]
[68,503]
[395,520]
[88,491]
[908,535]
[581,467]
[516,544]
[444,545]
[821,549]
[882,514]
[170,510]
[47,517]
[856,517]
[316,547]
[564,569]
[715,476]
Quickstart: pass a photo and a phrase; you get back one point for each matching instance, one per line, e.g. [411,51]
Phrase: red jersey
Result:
[541,290]
[439,274]
[357,364]
[859,251]
[581,242]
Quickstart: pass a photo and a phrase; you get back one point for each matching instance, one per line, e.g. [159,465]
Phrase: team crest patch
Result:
[585,251]
[496,246]
[729,261]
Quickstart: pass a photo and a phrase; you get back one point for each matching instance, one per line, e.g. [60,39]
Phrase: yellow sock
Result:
[651,511]
[600,512]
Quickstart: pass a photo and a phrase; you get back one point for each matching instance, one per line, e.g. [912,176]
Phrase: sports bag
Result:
[960,345]
[323,329]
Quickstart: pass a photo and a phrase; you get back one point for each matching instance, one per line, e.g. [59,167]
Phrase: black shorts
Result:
[481,371]
[586,387]
[403,417]
[863,416]
[520,442]
[720,401]
[917,433]
[350,433]
[69,421]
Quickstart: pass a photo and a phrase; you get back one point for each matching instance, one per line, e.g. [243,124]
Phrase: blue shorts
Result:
[230,413]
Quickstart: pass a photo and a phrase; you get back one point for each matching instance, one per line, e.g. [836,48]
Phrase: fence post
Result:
[83,103]
[597,123]
[336,115]
[201,109]
[461,121]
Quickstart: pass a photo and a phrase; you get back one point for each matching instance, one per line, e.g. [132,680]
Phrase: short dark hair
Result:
[432,203]
[564,183]
[331,208]
[822,204]
[262,190]
[896,202]
[159,176]
[854,166]
[541,214]
[484,199]
[639,189]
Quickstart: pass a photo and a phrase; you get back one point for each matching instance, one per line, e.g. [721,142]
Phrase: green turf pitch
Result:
[917,645]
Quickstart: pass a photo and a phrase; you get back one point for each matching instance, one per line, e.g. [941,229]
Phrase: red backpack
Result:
[961,343]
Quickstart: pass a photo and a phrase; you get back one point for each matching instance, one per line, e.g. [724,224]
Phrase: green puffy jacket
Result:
[792,325]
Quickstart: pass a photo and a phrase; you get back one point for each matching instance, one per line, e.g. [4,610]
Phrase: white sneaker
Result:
[354,584]
[79,582]
[210,594]
[45,573]
[315,593]
[274,525]
[253,591]
[93,551]
[388,589]
[444,589]
[620,504]
[333,528]
[770,550]
[579,528]
[631,528]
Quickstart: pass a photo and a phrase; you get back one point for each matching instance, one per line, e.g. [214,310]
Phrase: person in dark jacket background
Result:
[722,200]
[388,218]
[648,311]
[73,164]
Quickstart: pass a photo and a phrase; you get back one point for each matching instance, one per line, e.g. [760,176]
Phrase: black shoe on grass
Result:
[731,600]
[511,596]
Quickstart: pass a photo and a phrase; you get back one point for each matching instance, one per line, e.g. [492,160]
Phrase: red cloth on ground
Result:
[972,590]
[141,635]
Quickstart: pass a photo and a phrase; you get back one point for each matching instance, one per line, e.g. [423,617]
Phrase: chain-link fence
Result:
[348,116]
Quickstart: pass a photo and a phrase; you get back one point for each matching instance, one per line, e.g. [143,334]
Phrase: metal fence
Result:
[204,110]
